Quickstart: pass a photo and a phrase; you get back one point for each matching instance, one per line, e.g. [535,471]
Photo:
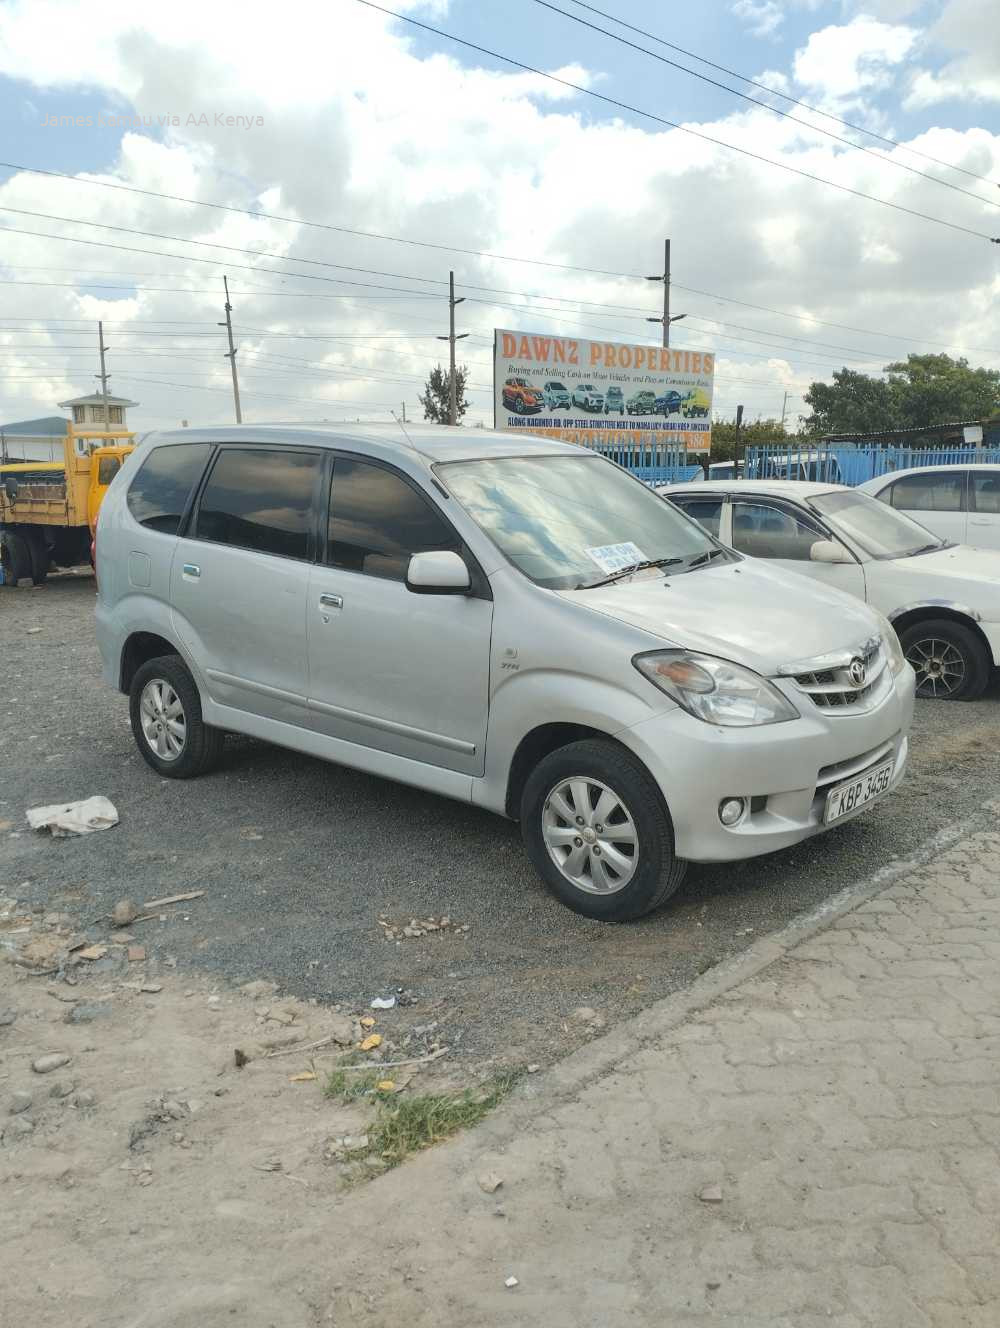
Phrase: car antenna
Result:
[403,427]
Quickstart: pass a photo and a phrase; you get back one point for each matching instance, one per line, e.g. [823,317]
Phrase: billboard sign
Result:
[600,393]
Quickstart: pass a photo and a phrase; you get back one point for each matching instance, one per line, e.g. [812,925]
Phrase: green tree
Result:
[922,390]
[435,396]
[752,434]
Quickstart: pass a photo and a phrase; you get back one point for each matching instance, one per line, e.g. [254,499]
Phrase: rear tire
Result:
[165,710]
[949,659]
[621,864]
[38,552]
[15,557]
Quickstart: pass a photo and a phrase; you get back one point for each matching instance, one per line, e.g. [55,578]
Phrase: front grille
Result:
[833,683]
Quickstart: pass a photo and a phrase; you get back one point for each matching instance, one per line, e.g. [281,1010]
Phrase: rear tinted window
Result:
[929,493]
[986,488]
[160,491]
[261,500]
[107,468]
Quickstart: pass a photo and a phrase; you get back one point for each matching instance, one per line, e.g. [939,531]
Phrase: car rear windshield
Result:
[554,516]
[880,531]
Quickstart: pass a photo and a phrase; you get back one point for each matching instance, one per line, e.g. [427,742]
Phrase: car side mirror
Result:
[829,551]
[441,572]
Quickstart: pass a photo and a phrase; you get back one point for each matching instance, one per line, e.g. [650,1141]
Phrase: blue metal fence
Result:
[651,462]
[854,465]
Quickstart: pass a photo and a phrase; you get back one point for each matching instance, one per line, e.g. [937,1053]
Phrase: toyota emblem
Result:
[857,672]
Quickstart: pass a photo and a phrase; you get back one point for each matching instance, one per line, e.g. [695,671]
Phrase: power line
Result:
[775,110]
[774,92]
[684,129]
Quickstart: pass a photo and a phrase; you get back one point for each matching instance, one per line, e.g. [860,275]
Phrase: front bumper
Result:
[787,769]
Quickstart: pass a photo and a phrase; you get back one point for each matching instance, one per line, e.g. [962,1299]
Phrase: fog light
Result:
[731,810]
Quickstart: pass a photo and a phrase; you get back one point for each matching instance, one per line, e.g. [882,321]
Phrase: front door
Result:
[390,669]
[239,579]
[769,528]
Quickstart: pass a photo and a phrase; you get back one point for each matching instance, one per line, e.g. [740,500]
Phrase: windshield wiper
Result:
[928,548]
[699,560]
[628,571]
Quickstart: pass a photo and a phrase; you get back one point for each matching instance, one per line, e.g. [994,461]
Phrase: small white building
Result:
[89,410]
[43,439]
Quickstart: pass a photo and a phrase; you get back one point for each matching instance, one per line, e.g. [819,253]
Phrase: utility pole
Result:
[231,357]
[404,412]
[103,376]
[784,407]
[667,318]
[451,338]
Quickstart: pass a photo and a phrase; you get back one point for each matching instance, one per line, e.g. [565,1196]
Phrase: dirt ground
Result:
[139,1179]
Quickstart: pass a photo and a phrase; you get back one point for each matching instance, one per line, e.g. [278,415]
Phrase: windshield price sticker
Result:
[613,557]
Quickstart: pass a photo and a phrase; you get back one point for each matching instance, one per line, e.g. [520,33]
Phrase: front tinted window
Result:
[160,491]
[765,531]
[261,500]
[554,516]
[706,511]
[929,493]
[378,521]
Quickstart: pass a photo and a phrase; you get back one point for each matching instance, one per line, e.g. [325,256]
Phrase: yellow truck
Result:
[48,509]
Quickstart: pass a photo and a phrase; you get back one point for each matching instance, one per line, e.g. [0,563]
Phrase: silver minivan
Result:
[501,619]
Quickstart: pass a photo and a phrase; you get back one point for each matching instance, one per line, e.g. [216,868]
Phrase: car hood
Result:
[949,569]
[760,616]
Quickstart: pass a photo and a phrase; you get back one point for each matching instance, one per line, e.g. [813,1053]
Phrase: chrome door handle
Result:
[331,601]
[980,522]
[190,569]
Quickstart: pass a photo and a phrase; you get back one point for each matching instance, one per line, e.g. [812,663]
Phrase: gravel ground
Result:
[299,859]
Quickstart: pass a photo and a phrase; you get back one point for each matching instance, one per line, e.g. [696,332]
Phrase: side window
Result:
[936,492]
[986,493]
[163,484]
[706,511]
[763,531]
[377,521]
[107,468]
[261,500]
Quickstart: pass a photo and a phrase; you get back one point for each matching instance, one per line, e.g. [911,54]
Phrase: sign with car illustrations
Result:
[603,393]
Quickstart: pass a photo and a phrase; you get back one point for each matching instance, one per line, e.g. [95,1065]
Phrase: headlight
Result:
[716,690]
[893,650]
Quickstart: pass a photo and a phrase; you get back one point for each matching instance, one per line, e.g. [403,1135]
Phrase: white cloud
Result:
[842,61]
[971,30]
[359,132]
[762,17]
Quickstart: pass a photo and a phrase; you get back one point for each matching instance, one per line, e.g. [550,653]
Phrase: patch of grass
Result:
[349,1085]
[412,1123]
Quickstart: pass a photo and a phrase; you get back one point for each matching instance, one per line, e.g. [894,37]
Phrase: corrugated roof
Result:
[49,426]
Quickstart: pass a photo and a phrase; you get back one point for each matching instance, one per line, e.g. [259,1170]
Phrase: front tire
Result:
[597,831]
[38,552]
[165,709]
[950,661]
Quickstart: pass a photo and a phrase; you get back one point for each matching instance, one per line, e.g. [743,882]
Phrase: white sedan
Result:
[960,503]
[942,598]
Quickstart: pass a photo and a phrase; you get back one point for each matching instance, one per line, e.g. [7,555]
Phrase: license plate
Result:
[856,793]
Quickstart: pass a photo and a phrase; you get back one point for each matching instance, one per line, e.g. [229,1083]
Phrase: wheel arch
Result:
[540,742]
[139,648]
[913,614]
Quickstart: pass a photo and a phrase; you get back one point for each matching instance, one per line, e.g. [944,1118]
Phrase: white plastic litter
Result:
[74,818]
[383,1002]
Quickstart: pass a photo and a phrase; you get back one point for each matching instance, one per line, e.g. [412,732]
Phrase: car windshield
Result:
[878,530]
[557,387]
[586,387]
[558,518]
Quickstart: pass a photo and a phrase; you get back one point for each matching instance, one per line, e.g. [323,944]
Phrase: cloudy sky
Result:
[371,128]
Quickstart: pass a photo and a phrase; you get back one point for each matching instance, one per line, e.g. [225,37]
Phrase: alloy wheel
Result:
[940,667]
[590,835]
[164,724]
